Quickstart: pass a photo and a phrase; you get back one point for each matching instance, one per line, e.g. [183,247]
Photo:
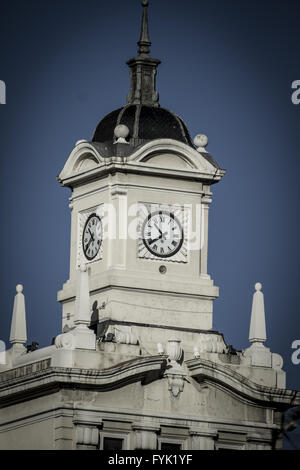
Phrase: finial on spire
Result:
[82,302]
[84,337]
[143,68]
[144,42]
[18,334]
[257,332]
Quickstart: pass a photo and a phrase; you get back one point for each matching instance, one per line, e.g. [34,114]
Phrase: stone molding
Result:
[87,435]
[38,382]
[203,370]
[145,439]
[74,172]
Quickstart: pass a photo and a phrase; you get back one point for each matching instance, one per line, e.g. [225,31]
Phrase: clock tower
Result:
[137,364]
[141,190]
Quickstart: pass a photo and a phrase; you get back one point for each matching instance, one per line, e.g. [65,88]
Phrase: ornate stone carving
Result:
[174,350]
[175,373]
[125,335]
[211,343]
[65,341]
[176,382]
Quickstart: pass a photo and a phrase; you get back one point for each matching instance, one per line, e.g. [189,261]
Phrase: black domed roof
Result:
[142,114]
[145,123]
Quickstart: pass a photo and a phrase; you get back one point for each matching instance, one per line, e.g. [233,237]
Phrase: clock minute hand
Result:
[158,229]
[92,238]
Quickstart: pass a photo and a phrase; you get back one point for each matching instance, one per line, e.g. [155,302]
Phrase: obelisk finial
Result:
[144,42]
[257,332]
[18,334]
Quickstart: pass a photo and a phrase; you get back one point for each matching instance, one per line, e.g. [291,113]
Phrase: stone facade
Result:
[137,364]
[75,399]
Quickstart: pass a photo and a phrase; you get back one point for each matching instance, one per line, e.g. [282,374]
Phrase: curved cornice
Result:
[198,167]
[81,151]
[180,149]
[38,379]
[203,371]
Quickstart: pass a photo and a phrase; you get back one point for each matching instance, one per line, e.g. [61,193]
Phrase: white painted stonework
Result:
[137,358]
[122,276]
[158,373]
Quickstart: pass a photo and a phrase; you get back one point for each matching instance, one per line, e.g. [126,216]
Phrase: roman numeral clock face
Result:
[92,236]
[162,234]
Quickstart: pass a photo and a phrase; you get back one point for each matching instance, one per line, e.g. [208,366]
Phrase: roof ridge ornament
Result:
[143,68]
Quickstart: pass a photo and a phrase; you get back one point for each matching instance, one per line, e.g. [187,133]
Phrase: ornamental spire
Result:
[143,68]
[82,302]
[257,333]
[144,42]
[18,333]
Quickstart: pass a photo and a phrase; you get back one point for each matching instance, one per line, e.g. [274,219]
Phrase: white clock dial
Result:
[92,236]
[162,234]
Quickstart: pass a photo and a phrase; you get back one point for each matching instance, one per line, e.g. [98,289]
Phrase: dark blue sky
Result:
[227,68]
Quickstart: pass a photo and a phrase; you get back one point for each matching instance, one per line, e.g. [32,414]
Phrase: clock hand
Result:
[158,228]
[91,235]
[158,238]
[155,240]
[90,240]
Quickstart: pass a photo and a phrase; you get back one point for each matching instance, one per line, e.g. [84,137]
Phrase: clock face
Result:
[92,236]
[162,234]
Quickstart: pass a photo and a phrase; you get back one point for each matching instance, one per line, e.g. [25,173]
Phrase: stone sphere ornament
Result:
[121,133]
[201,142]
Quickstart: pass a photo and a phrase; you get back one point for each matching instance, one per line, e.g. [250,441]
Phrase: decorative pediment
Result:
[86,163]
[163,157]
[84,157]
[171,154]
[168,160]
